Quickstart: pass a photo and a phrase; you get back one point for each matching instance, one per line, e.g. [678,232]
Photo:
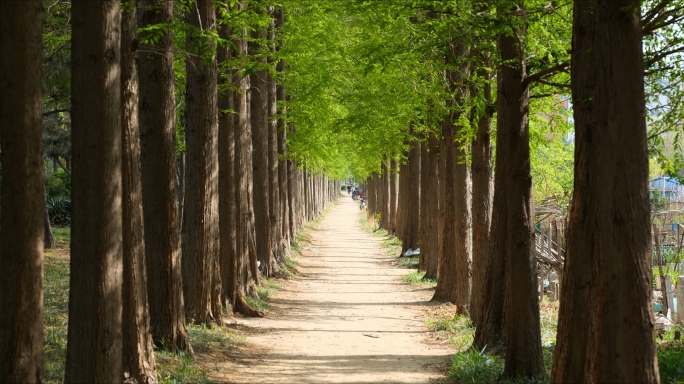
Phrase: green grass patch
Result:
[392,246]
[179,368]
[409,262]
[62,235]
[671,362]
[265,291]
[418,278]
[457,330]
[55,317]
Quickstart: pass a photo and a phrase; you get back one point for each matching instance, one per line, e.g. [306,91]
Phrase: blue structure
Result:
[667,187]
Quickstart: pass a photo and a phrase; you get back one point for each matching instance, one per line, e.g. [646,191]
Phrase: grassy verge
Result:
[171,367]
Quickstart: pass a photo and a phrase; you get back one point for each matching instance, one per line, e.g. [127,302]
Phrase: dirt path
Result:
[347,319]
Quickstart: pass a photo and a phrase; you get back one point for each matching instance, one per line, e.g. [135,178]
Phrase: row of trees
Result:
[470,207]
[160,236]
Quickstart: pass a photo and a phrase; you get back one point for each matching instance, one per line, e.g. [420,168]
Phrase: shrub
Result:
[59,210]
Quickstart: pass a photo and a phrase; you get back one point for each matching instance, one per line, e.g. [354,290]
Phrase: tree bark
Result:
[49,238]
[260,139]
[446,283]
[159,188]
[489,335]
[228,222]
[521,303]
[247,271]
[200,215]
[138,355]
[23,192]
[429,213]
[412,215]
[394,171]
[94,346]
[483,188]
[283,163]
[608,235]
[273,183]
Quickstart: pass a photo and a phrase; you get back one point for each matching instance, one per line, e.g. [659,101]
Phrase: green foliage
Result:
[418,278]
[59,210]
[55,317]
[58,184]
[671,362]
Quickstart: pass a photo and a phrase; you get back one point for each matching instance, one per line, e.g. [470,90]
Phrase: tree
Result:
[429,212]
[158,171]
[247,272]
[138,356]
[94,346]
[605,331]
[200,210]
[273,162]
[228,121]
[260,139]
[22,201]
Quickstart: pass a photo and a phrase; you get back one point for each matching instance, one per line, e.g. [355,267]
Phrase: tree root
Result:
[245,309]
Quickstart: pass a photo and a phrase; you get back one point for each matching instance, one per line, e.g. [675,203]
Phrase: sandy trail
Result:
[347,319]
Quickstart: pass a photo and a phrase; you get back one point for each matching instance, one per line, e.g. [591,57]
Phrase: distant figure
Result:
[348,189]
[354,193]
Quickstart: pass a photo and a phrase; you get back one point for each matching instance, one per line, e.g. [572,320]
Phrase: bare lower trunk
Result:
[159,187]
[227,186]
[521,304]
[273,182]
[446,284]
[605,331]
[482,200]
[200,210]
[412,222]
[430,208]
[394,171]
[23,199]
[138,356]
[260,139]
[95,304]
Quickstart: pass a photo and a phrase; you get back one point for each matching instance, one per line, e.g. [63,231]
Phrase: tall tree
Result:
[138,356]
[200,210]
[283,163]
[22,202]
[273,176]
[260,139]
[228,121]
[605,331]
[483,187]
[94,346]
[158,170]
[411,235]
[521,303]
[429,251]
[246,261]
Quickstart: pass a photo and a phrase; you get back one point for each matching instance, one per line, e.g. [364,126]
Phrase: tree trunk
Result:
[200,216]
[489,331]
[430,203]
[283,163]
[159,188]
[482,195]
[605,331]
[394,171]
[446,284]
[260,139]
[273,184]
[412,215]
[385,186]
[95,303]
[246,236]
[138,355]
[521,303]
[228,222]
[23,192]
[49,238]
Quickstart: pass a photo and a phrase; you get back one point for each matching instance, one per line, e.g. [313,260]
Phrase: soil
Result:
[346,318]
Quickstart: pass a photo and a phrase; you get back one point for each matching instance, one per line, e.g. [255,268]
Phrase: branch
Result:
[648,18]
[552,84]
[45,114]
[662,55]
[53,54]
[545,72]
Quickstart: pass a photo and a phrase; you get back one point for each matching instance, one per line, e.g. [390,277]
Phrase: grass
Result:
[457,330]
[671,362]
[265,291]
